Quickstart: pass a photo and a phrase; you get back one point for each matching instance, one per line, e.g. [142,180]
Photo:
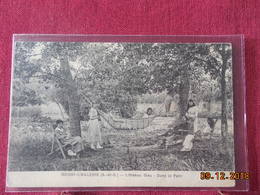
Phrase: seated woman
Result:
[66,138]
[192,120]
[188,123]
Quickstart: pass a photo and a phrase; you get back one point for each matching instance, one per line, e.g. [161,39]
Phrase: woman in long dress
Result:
[167,102]
[94,129]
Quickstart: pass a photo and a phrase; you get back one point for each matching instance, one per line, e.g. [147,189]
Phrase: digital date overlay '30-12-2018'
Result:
[224,175]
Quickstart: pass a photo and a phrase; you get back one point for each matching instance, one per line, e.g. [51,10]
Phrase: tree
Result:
[23,71]
[114,74]
[218,64]
[50,62]
[104,78]
[225,53]
[24,95]
[174,69]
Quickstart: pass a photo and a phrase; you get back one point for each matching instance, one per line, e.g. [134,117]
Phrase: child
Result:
[66,138]
[94,129]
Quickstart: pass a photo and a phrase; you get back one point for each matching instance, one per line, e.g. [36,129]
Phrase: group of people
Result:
[188,122]
[76,142]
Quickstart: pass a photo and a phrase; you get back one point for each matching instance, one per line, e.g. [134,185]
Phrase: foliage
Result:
[155,98]
[115,74]
[24,60]
[110,99]
[32,113]
[23,95]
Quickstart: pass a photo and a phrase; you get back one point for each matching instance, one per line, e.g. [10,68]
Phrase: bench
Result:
[212,119]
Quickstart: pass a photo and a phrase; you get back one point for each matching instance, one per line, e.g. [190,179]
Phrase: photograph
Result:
[121,106]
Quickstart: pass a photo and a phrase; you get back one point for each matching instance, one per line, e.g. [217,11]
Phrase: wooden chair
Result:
[60,147]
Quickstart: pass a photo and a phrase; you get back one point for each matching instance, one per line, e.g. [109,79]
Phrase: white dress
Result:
[188,141]
[94,131]
[193,114]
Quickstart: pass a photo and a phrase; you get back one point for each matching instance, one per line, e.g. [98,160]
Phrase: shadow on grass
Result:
[29,148]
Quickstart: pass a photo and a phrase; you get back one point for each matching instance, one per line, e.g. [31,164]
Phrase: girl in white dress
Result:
[94,129]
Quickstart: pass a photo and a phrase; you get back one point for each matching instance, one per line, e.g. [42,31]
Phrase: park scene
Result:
[92,106]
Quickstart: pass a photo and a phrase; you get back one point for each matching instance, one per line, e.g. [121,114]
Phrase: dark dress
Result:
[65,138]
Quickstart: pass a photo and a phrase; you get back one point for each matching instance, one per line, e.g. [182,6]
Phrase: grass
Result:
[129,150]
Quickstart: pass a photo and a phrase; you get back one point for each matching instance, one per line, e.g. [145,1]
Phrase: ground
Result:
[128,150]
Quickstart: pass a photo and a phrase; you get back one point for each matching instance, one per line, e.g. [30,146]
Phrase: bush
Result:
[30,112]
[121,101]
[23,95]
[152,98]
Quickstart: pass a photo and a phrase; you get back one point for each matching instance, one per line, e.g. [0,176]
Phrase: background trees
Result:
[114,74]
[50,63]
[218,64]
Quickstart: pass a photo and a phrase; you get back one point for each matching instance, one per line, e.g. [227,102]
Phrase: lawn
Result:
[128,150]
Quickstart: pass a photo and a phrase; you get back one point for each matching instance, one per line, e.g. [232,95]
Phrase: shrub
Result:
[31,112]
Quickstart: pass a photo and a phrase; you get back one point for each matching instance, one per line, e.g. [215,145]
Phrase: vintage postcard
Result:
[121,114]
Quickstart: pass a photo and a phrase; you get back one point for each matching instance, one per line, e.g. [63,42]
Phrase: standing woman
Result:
[192,116]
[94,129]
[168,101]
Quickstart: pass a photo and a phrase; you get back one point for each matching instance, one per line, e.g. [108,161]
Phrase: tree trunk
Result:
[73,97]
[209,105]
[209,101]
[224,125]
[60,108]
[74,107]
[184,90]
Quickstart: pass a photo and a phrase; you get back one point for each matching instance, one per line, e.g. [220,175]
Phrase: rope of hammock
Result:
[123,124]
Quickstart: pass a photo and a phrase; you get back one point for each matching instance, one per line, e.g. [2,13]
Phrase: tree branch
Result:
[206,62]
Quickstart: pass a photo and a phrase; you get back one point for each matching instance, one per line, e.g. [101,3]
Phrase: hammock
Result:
[121,123]
[126,124]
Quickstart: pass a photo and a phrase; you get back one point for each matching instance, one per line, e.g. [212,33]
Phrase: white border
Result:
[115,179]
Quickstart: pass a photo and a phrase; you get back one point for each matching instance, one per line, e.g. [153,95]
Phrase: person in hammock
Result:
[66,138]
[94,129]
[149,113]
